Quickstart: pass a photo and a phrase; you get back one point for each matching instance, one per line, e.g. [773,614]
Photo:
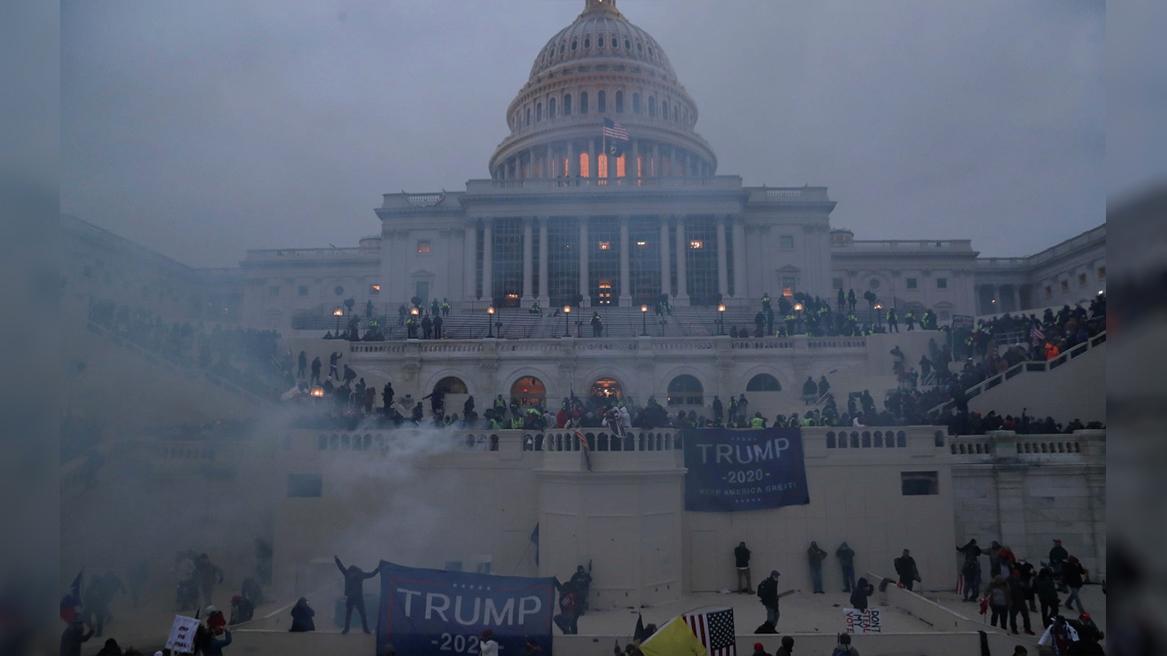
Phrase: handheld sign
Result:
[429,612]
[732,470]
[182,635]
[862,621]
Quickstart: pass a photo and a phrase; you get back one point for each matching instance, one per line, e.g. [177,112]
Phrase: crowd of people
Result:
[250,358]
[1016,587]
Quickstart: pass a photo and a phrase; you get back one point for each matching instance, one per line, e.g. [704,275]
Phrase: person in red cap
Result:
[759,650]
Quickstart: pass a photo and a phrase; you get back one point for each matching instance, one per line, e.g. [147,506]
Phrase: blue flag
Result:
[430,612]
[732,470]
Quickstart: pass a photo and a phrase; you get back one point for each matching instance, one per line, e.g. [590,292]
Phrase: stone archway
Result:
[529,391]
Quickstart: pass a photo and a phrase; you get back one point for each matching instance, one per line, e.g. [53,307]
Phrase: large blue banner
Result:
[430,612]
[744,469]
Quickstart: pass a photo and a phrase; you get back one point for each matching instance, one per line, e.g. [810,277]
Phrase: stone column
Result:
[470,248]
[528,263]
[631,171]
[548,167]
[666,285]
[593,165]
[544,287]
[739,252]
[722,261]
[487,261]
[625,265]
[1016,298]
[682,267]
[572,161]
[584,250]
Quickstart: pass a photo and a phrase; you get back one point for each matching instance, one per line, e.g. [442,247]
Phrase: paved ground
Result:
[800,613]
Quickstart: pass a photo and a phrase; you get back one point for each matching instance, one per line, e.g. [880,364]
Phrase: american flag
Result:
[714,628]
[1036,333]
[613,130]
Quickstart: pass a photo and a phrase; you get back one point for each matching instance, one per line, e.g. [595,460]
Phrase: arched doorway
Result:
[450,385]
[763,383]
[607,389]
[686,390]
[448,394]
[529,391]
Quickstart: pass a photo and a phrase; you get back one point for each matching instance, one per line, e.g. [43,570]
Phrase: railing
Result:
[572,183]
[1012,446]
[908,244]
[603,345]
[274,254]
[1028,366]
[788,194]
[556,440]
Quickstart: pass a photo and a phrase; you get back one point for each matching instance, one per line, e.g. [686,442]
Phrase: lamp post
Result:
[490,321]
[414,313]
[798,316]
[338,312]
[644,321]
[721,318]
[567,321]
[878,315]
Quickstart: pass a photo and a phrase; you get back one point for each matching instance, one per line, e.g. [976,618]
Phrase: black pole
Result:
[567,324]
[644,324]
[489,326]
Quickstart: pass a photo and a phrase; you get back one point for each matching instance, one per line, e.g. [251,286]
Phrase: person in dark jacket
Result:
[741,559]
[1073,576]
[971,572]
[787,648]
[759,648]
[242,610]
[970,550]
[73,636]
[210,642]
[815,555]
[768,595]
[1017,602]
[302,615]
[354,591]
[860,593]
[846,556]
[905,567]
[1047,595]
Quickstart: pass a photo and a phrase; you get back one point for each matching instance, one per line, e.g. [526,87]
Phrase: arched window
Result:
[664,111]
[451,385]
[652,106]
[584,165]
[601,41]
[538,112]
[607,388]
[686,390]
[529,391]
[528,116]
[583,102]
[567,105]
[635,103]
[587,41]
[551,108]
[763,383]
[601,102]
[627,44]
[574,43]
[619,102]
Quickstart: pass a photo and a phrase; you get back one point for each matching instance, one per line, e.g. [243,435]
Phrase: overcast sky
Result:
[201,129]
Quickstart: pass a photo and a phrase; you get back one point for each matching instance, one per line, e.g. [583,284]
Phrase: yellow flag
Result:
[673,639]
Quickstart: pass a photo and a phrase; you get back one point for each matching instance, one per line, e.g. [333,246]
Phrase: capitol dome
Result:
[602,68]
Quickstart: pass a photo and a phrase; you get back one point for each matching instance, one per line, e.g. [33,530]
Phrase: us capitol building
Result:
[618,217]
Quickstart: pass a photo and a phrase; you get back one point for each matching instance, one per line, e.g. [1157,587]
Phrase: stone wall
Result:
[1024,491]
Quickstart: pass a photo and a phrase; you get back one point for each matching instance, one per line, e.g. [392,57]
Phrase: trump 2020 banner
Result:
[732,470]
[430,612]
